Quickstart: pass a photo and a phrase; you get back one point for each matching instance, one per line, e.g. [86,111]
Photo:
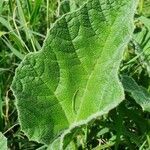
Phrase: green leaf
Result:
[79,2]
[3,142]
[140,94]
[74,78]
[146,8]
[69,5]
[1,6]
[64,7]
[56,143]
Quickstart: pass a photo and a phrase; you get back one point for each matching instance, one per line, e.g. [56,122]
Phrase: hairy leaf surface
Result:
[3,142]
[139,93]
[74,78]
[70,5]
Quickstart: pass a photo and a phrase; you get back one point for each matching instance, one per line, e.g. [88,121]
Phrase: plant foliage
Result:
[3,142]
[74,78]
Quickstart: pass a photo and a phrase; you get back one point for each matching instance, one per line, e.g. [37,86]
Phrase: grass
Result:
[23,27]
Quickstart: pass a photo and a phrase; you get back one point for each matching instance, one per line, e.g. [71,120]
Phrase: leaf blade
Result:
[75,57]
[139,93]
[3,142]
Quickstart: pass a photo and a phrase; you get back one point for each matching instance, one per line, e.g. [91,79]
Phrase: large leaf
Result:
[3,142]
[74,78]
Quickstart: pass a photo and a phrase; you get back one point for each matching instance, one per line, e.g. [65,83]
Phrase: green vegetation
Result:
[72,63]
[3,141]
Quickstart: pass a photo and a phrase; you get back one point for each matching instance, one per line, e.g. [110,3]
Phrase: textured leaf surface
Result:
[70,5]
[146,8]
[56,145]
[73,79]
[3,142]
[140,94]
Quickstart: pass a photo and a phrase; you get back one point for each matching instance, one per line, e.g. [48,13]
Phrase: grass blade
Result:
[10,46]
[1,114]
[35,11]
[23,20]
